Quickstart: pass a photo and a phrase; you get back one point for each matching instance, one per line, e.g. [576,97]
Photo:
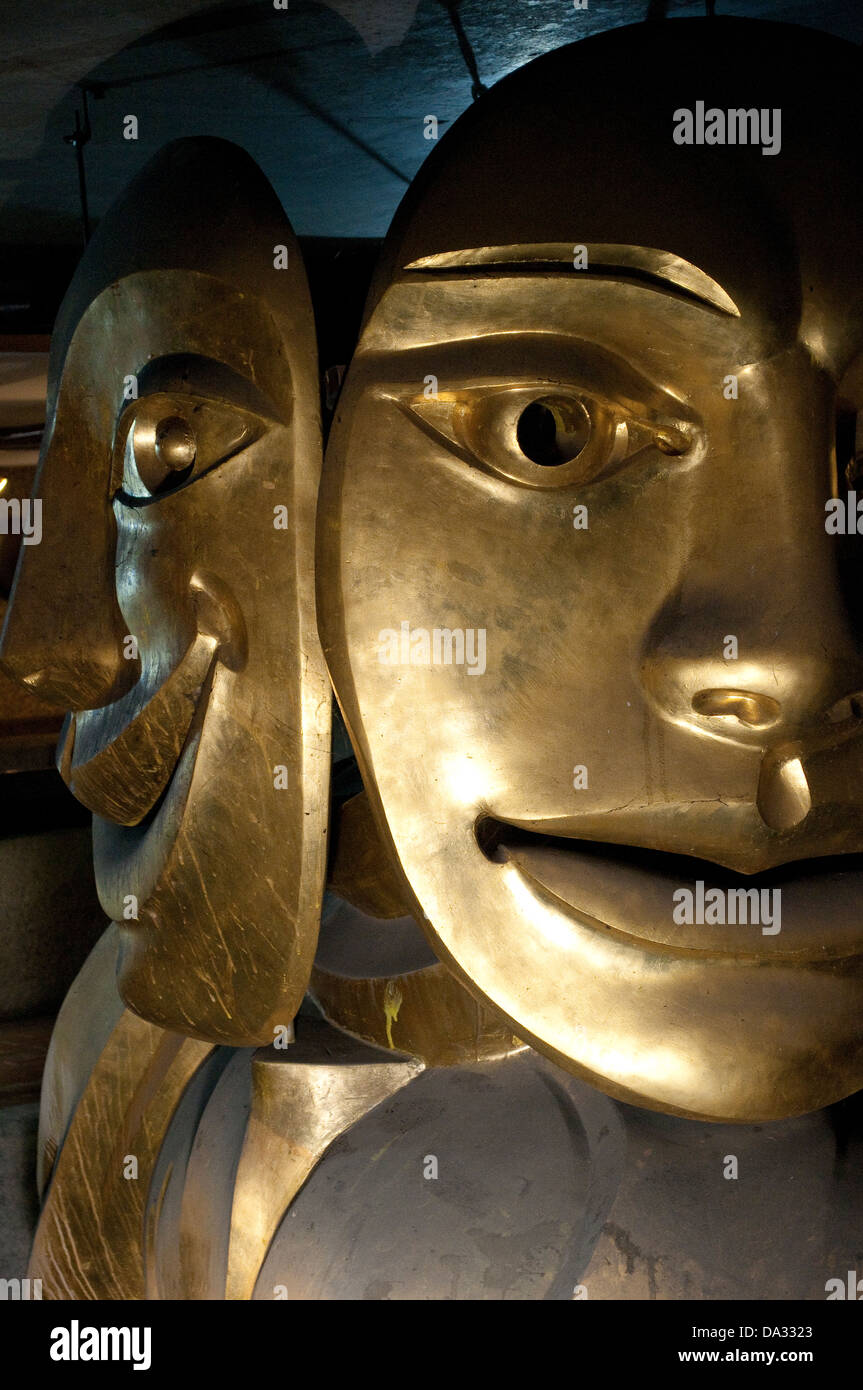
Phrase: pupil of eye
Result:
[552,432]
[175,445]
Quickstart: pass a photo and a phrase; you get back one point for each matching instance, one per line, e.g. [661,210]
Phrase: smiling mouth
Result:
[629,892]
[119,760]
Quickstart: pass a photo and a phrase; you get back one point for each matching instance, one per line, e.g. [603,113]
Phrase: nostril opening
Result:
[746,706]
[849,707]
[849,461]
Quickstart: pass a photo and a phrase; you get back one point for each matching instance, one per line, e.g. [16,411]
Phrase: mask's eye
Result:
[166,440]
[544,437]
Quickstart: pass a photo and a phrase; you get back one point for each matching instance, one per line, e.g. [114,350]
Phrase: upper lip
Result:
[628,889]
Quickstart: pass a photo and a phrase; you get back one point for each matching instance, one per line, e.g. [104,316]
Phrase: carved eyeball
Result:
[547,438]
[159,452]
[175,444]
[169,439]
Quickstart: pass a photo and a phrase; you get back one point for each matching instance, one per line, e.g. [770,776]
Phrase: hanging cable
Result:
[476,89]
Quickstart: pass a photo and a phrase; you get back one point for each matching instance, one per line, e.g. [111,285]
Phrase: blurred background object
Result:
[49,914]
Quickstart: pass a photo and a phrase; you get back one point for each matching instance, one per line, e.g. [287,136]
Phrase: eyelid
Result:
[210,380]
[540,359]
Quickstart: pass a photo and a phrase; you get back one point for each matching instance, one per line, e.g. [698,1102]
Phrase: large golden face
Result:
[170,603]
[592,638]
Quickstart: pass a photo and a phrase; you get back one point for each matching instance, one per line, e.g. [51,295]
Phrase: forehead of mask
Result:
[200,205]
[577,147]
[227,872]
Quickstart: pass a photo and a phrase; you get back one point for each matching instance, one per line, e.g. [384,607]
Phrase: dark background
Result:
[329,98]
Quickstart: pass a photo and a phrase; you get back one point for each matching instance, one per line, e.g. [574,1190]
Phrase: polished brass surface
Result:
[378,980]
[690,303]
[302,1099]
[184,449]
[544,1183]
[91,1242]
[360,869]
[90,1012]
[374,975]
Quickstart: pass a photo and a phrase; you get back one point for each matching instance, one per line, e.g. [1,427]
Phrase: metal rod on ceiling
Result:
[476,89]
[78,139]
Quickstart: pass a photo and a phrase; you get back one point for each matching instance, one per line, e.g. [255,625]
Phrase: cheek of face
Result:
[219,943]
[553,618]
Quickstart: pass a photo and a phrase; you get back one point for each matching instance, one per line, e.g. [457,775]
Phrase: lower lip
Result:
[142,850]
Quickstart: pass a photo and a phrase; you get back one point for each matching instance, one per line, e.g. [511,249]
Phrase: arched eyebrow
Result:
[642,264]
[206,376]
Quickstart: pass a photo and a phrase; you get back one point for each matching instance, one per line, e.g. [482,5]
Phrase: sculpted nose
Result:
[810,739]
[759,640]
[752,710]
[69,653]
[64,635]
[772,690]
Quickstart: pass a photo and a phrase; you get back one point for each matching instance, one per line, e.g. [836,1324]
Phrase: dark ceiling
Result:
[329,98]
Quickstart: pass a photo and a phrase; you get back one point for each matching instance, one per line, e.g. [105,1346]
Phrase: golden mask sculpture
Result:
[581,460]
[171,604]
[600,399]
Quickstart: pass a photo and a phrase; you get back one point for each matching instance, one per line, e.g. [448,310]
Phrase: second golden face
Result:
[178,623]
